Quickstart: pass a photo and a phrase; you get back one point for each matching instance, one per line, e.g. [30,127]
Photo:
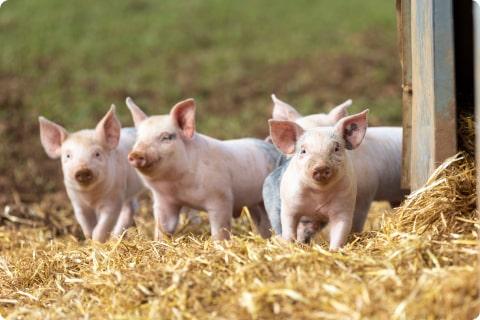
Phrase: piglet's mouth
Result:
[86,183]
[148,166]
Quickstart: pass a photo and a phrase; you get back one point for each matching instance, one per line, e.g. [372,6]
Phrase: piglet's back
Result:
[254,152]
[255,159]
[378,162]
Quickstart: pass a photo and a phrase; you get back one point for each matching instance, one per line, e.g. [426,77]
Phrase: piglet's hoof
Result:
[335,249]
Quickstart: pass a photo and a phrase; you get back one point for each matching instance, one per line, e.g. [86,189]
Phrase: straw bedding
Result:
[415,262]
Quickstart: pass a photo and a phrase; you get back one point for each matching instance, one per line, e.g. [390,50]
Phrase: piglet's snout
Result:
[138,159]
[84,176]
[322,173]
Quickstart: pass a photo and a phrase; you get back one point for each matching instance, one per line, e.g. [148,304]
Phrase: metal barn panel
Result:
[433,79]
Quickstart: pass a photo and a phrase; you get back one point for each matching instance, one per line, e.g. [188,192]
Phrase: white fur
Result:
[203,173]
[106,205]
[376,162]
[301,196]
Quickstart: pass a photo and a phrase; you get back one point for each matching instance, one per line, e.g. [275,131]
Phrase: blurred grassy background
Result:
[69,60]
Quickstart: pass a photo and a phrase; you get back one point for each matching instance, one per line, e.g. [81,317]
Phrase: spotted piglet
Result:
[318,180]
[100,183]
[183,168]
[376,162]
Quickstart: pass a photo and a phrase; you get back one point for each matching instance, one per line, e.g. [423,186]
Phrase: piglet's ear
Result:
[283,111]
[108,129]
[353,129]
[52,136]
[137,114]
[285,135]
[339,111]
[183,113]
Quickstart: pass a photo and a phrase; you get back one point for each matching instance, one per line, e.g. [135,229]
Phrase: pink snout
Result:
[322,174]
[138,159]
[84,176]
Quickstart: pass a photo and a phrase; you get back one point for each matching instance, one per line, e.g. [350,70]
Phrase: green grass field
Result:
[70,60]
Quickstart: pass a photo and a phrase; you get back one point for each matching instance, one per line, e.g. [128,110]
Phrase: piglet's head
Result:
[86,155]
[161,140]
[319,154]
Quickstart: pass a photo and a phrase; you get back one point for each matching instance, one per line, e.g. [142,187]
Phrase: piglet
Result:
[377,165]
[318,179]
[184,168]
[100,183]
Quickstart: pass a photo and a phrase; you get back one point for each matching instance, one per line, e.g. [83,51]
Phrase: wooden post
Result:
[433,102]
[405,47]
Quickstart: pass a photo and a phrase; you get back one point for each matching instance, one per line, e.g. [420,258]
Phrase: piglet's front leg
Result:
[340,227]
[290,220]
[86,218]
[107,216]
[166,218]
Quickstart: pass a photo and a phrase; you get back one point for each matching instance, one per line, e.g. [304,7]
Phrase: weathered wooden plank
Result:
[405,49]
[433,79]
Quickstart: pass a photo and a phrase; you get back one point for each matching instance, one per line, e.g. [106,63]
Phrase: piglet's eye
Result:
[68,156]
[167,136]
[303,151]
[97,154]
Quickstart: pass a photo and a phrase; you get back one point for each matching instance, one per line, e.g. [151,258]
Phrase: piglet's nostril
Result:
[137,159]
[322,173]
[84,175]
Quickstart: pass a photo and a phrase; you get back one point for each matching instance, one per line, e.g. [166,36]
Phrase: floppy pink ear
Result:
[353,129]
[284,111]
[183,113]
[137,114]
[108,129]
[339,111]
[285,134]
[52,136]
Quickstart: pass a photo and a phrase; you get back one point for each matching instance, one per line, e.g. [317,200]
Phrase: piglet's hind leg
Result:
[220,217]
[261,221]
